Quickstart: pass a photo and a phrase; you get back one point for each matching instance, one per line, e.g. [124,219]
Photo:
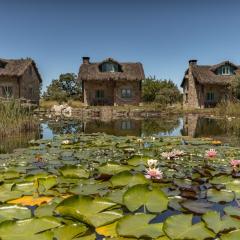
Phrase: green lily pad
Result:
[234,235]
[9,212]
[180,227]
[139,225]
[214,195]
[126,178]
[138,160]
[69,171]
[112,168]
[232,211]
[69,232]
[215,223]
[27,229]
[90,210]
[141,195]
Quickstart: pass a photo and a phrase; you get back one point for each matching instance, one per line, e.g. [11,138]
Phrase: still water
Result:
[227,130]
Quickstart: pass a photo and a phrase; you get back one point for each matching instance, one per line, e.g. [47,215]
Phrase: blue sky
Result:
[163,35]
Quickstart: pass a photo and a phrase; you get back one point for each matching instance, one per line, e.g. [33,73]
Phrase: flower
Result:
[175,153]
[65,142]
[139,140]
[152,138]
[235,163]
[216,142]
[154,173]
[211,153]
[152,163]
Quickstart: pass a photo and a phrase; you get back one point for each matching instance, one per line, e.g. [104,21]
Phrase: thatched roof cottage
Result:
[110,82]
[206,85]
[20,79]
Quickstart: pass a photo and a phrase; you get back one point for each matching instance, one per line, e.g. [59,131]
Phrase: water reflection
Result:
[189,125]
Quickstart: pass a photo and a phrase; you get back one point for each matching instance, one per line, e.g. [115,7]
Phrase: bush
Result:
[65,88]
[161,91]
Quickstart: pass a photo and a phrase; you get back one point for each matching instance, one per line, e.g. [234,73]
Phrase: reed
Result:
[15,118]
[228,109]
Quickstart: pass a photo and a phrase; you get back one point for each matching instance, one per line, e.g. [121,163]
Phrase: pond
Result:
[89,186]
[188,125]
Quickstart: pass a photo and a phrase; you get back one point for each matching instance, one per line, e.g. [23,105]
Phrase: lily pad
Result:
[214,195]
[141,195]
[112,168]
[90,210]
[127,178]
[138,226]
[180,227]
[69,171]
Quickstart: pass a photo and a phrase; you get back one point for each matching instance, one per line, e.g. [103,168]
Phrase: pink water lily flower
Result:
[235,163]
[211,153]
[152,163]
[154,173]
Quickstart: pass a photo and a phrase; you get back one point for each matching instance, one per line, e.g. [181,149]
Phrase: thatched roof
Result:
[16,67]
[129,71]
[206,74]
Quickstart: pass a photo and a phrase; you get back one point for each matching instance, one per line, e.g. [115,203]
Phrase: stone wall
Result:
[192,88]
[112,92]
[26,86]
[30,85]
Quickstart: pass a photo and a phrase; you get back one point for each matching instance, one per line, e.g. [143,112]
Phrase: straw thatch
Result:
[16,67]
[206,74]
[128,71]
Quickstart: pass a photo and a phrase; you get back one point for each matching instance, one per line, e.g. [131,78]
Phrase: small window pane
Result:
[126,93]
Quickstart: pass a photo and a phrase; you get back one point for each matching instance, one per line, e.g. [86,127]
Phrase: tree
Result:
[161,91]
[65,88]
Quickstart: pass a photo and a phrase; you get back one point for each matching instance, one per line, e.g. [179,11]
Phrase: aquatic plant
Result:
[211,153]
[15,118]
[97,187]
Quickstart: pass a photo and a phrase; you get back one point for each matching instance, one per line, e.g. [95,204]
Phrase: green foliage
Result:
[65,88]
[161,91]
[235,88]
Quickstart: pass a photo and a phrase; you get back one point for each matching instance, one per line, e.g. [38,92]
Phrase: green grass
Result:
[14,118]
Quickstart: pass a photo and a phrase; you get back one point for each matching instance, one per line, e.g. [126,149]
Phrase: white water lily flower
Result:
[152,163]
[154,173]
[65,142]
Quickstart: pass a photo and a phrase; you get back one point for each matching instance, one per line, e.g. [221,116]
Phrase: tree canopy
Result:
[64,88]
[161,91]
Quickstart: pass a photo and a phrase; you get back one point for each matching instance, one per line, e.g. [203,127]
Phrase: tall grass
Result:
[228,108]
[15,119]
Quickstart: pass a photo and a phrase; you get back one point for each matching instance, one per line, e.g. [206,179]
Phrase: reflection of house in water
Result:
[199,126]
[120,127]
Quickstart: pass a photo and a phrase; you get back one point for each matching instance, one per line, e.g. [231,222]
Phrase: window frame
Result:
[99,94]
[210,97]
[126,93]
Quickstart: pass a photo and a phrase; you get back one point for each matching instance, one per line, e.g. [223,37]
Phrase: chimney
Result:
[86,60]
[192,62]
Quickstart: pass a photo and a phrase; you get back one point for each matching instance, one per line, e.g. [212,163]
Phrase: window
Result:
[225,70]
[186,98]
[31,92]
[126,93]
[7,91]
[99,94]
[110,67]
[210,96]
[126,125]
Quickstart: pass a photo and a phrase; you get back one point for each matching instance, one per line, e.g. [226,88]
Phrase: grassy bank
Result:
[15,119]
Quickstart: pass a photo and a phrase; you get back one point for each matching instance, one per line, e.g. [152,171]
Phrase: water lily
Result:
[235,163]
[152,163]
[65,142]
[175,153]
[154,173]
[211,153]
[153,138]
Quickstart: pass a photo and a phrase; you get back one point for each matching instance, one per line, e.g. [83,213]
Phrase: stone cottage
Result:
[20,79]
[110,82]
[206,85]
